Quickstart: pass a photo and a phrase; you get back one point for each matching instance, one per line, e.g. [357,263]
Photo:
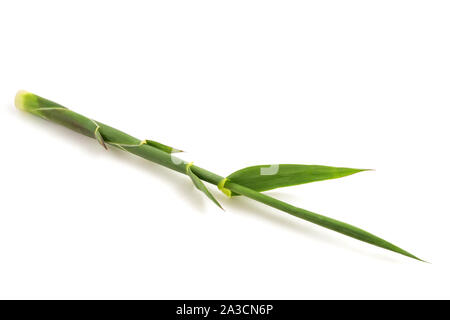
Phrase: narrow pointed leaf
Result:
[161,146]
[201,186]
[268,177]
[326,222]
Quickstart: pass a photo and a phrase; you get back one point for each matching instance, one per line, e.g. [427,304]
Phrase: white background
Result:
[360,84]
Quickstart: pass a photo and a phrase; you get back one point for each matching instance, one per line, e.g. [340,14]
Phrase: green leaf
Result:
[320,220]
[200,185]
[161,146]
[267,177]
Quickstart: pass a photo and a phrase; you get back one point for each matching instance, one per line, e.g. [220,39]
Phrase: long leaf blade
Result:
[268,177]
[324,221]
[201,186]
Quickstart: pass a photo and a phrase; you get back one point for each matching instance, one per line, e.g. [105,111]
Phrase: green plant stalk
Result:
[107,135]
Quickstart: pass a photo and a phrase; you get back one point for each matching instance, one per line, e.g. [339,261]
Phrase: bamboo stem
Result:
[107,135]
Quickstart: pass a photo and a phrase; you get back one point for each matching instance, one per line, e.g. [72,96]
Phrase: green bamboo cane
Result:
[163,155]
